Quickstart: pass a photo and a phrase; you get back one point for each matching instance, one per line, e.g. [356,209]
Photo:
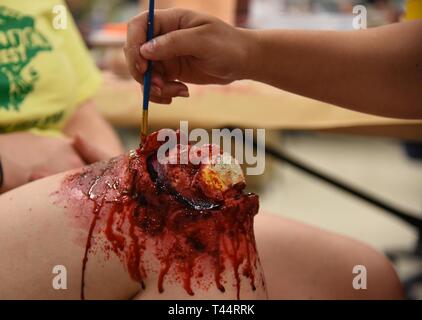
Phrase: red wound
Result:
[197,230]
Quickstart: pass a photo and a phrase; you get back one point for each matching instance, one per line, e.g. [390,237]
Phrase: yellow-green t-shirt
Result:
[413,9]
[45,69]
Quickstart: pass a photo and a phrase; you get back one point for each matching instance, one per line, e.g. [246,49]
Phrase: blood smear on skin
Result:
[120,200]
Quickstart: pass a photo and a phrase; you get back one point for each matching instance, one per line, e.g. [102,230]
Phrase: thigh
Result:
[36,234]
[39,232]
[304,262]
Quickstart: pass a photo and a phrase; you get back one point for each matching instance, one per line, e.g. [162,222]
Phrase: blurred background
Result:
[378,155]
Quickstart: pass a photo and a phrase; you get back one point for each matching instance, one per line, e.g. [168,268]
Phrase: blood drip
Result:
[138,203]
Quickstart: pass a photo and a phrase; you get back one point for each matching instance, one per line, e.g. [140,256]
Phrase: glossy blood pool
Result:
[194,218]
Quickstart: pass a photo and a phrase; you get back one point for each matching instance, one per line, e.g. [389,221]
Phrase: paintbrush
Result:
[148,74]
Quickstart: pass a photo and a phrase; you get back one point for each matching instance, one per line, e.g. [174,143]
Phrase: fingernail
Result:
[149,46]
[184,94]
[156,90]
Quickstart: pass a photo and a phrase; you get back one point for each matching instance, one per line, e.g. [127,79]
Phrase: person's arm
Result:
[12,174]
[95,139]
[26,157]
[377,71]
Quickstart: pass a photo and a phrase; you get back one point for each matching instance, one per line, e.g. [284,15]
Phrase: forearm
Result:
[14,172]
[91,126]
[13,175]
[377,71]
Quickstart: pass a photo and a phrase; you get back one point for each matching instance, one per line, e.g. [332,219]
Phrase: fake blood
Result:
[137,204]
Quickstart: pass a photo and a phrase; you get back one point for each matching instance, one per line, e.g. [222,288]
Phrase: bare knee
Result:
[303,262]
[382,280]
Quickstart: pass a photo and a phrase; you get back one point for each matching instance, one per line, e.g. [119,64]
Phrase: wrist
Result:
[252,63]
[13,175]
